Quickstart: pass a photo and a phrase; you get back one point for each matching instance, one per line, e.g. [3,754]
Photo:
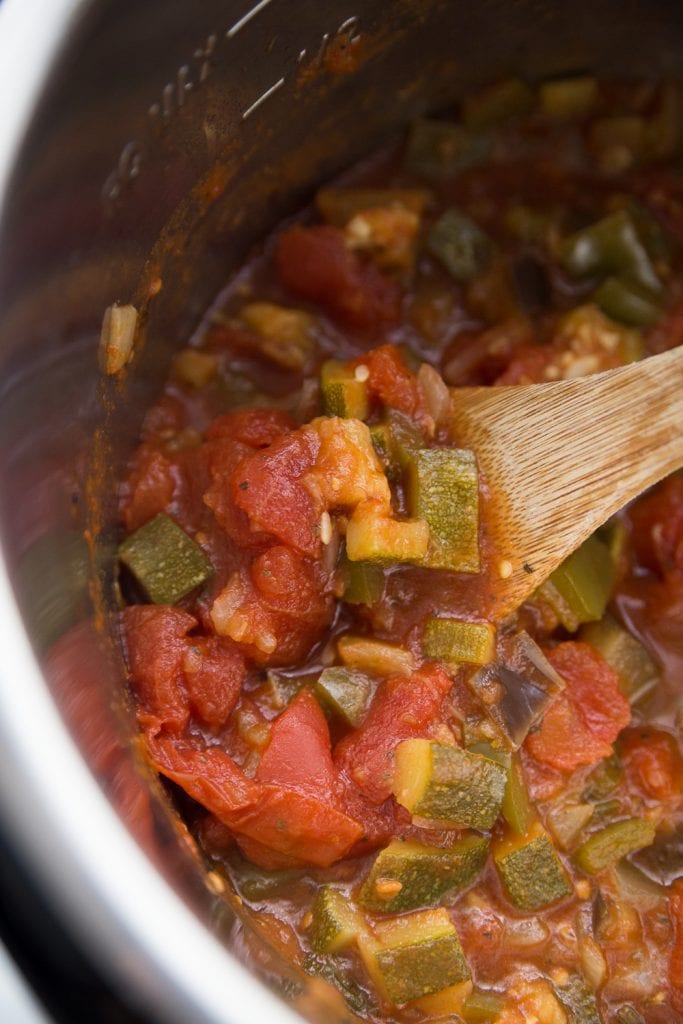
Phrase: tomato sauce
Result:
[441,815]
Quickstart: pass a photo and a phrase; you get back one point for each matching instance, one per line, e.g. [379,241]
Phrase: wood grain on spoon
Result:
[561,458]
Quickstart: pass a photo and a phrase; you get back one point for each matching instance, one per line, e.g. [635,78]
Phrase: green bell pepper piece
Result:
[658,243]
[164,560]
[255,884]
[627,302]
[604,778]
[516,808]
[611,247]
[566,822]
[282,689]
[438,149]
[613,842]
[345,692]
[460,245]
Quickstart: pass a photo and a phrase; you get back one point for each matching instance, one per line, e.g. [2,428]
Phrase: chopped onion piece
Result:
[593,963]
[116,339]
[436,395]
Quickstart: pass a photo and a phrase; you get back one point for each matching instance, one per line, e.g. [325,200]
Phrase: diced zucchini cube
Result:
[164,560]
[446,784]
[363,582]
[447,1004]
[374,536]
[613,842]
[531,871]
[405,439]
[635,669]
[443,489]
[578,999]
[415,955]
[516,807]
[345,693]
[565,98]
[380,435]
[456,642]
[407,875]
[483,1006]
[343,394]
[579,589]
[496,103]
[336,924]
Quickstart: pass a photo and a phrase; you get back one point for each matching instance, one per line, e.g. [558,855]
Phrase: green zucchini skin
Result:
[426,873]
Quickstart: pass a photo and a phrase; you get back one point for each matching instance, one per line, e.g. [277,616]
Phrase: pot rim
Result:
[149,942]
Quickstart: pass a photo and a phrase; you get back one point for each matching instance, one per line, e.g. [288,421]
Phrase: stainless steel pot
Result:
[143,147]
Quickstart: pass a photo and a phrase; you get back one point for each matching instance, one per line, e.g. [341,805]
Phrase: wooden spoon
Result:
[561,458]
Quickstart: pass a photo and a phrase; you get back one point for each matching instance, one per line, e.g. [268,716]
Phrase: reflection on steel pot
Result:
[143,148]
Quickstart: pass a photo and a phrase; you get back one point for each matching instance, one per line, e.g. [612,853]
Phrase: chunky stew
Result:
[445,816]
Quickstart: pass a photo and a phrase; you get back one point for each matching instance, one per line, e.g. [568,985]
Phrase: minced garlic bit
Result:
[215,883]
[307,920]
[325,528]
[583,889]
[505,569]
[361,373]
[388,887]
[560,975]
[116,339]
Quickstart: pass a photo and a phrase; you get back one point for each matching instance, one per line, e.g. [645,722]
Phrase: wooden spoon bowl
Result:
[561,458]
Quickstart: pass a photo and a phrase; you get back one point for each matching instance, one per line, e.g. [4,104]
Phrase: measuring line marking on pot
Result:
[246,18]
[264,96]
[195,73]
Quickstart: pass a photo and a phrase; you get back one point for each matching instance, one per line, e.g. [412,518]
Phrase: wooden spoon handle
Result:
[560,458]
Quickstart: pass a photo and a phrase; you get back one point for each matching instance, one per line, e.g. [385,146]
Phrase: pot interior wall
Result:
[169,137]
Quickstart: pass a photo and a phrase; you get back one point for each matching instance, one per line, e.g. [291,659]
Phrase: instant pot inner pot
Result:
[168,137]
